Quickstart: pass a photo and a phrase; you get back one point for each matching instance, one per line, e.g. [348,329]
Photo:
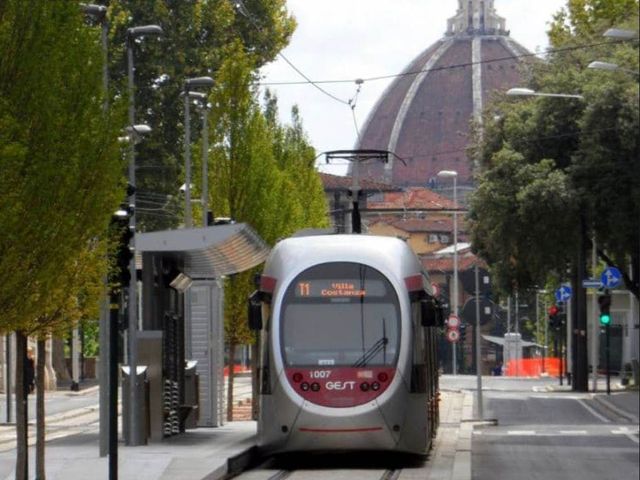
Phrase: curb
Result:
[614,409]
[238,464]
[462,458]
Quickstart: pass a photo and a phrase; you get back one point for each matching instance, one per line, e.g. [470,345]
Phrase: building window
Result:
[432,238]
[444,239]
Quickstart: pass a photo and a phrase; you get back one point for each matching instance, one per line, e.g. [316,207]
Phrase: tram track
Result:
[337,474]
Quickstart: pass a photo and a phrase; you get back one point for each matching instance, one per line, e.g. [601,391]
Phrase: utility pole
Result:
[478,352]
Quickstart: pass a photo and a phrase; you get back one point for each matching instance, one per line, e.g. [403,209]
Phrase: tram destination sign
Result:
[339,288]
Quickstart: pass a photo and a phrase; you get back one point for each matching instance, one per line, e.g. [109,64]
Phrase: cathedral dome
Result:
[424,115]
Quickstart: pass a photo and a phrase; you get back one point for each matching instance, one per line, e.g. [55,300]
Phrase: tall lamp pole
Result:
[629,35]
[580,380]
[454,174]
[99,14]
[190,83]
[134,421]
[204,195]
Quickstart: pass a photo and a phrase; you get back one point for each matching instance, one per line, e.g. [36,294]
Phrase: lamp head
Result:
[144,30]
[198,82]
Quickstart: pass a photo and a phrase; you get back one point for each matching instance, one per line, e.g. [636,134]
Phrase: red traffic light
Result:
[553,310]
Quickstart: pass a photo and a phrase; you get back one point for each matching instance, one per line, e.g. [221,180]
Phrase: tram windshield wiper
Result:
[371,352]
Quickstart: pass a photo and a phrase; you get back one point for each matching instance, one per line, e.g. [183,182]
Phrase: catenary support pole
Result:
[478,352]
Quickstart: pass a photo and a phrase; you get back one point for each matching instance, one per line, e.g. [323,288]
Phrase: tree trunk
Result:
[59,363]
[22,454]
[231,365]
[40,425]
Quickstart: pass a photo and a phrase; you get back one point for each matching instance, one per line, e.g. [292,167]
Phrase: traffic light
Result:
[554,317]
[463,331]
[122,255]
[605,304]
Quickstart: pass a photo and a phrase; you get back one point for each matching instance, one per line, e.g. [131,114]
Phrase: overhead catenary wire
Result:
[444,67]
[243,11]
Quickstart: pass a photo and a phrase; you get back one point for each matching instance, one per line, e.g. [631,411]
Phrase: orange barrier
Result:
[236,370]
[533,367]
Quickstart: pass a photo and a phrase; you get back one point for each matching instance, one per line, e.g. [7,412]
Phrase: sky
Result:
[351,39]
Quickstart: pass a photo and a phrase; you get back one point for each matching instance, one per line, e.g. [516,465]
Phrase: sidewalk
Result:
[211,453]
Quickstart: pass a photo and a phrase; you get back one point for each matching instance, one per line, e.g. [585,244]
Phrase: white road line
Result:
[521,432]
[593,412]
[630,434]
[573,432]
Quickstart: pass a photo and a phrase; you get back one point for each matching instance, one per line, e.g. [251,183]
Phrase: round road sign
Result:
[453,336]
[453,322]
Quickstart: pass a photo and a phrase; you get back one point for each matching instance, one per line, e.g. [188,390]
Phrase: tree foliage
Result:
[58,152]
[61,170]
[547,162]
[262,172]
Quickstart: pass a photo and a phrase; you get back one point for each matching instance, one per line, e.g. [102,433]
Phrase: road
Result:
[553,435]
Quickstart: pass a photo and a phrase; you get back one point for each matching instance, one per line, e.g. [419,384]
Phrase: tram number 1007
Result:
[320,373]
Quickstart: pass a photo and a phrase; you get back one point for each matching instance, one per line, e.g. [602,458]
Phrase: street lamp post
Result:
[453,174]
[616,34]
[204,195]
[580,377]
[134,434]
[99,13]
[108,419]
[188,85]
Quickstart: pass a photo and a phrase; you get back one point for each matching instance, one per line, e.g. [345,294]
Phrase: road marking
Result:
[593,412]
[630,434]
[573,432]
[521,432]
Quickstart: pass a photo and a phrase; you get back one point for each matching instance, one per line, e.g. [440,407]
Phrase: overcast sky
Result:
[350,39]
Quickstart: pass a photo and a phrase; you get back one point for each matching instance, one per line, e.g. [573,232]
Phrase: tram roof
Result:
[374,250]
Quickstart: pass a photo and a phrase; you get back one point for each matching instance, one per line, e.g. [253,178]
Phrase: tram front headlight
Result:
[304,386]
[364,387]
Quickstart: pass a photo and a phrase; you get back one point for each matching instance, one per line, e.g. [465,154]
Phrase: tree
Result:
[60,162]
[555,171]
[263,174]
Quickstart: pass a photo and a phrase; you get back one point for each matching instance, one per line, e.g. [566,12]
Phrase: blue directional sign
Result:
[563,293]
[611,277]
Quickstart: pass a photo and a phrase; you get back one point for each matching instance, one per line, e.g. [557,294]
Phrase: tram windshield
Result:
[340,314]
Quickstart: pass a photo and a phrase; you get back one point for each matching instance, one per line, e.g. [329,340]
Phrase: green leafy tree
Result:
[60,162]
[555,171]
[263,174]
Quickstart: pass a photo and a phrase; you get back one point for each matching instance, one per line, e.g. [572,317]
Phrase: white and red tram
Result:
[348,346]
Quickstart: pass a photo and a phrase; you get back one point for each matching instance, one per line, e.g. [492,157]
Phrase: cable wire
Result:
[243,11]
[442,68]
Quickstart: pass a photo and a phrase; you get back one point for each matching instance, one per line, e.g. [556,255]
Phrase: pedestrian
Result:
[29,373]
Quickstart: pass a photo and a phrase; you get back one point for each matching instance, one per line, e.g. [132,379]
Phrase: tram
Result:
[348,347]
